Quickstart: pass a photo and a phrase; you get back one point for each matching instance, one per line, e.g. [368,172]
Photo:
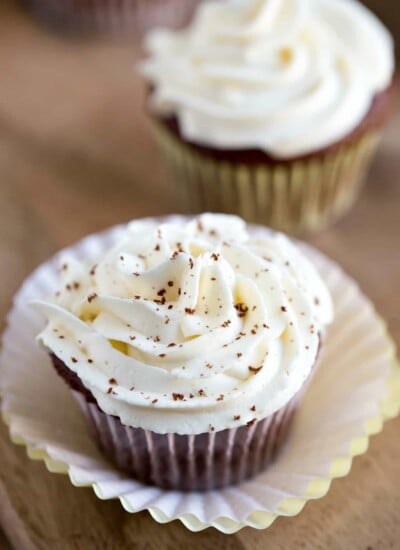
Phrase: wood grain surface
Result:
[76,156]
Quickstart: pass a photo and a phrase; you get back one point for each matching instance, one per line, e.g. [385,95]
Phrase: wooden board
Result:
[76,156]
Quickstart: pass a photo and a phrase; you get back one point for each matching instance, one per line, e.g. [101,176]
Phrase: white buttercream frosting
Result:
[190,325]
[285,76]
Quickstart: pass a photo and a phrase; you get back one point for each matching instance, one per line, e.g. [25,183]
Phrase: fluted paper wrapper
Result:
[114,15]
[356,388]
[190,462]
[301,196]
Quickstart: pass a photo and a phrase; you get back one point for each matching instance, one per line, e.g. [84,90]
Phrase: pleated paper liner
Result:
[190,462]
[114,16]
[202,462]
[299,197]
[356,388]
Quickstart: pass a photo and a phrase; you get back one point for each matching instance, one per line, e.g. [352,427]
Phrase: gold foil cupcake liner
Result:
[301,196]
[358,376]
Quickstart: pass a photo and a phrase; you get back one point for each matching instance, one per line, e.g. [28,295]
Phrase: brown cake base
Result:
[113,15]
[184,462]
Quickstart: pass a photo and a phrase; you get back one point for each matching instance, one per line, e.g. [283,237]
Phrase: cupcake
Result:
[275,114]
[189,346]
[114,15]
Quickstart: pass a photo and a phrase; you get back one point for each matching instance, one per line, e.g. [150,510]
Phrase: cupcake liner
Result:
[114,15]
[356,388]
[193,462]
[189,463]
[299,196]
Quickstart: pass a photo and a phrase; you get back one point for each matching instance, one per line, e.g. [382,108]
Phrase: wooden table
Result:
[76,156]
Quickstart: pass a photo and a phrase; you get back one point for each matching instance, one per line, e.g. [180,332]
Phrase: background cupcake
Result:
[275,114]
[114,15]
[189,346]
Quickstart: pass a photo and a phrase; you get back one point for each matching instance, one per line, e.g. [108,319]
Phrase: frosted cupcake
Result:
[274,114]
[114,15]
[189,346]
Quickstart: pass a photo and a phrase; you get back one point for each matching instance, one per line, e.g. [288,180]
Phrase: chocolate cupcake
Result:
[274,115]
[114,15]
[189,346]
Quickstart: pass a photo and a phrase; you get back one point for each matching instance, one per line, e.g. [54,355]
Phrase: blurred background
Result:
[388,11]
[76,156]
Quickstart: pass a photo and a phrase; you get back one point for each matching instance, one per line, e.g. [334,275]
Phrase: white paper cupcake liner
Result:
[356,388]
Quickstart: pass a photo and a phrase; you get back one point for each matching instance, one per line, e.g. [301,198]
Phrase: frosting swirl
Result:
[288,77]
[190,326]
